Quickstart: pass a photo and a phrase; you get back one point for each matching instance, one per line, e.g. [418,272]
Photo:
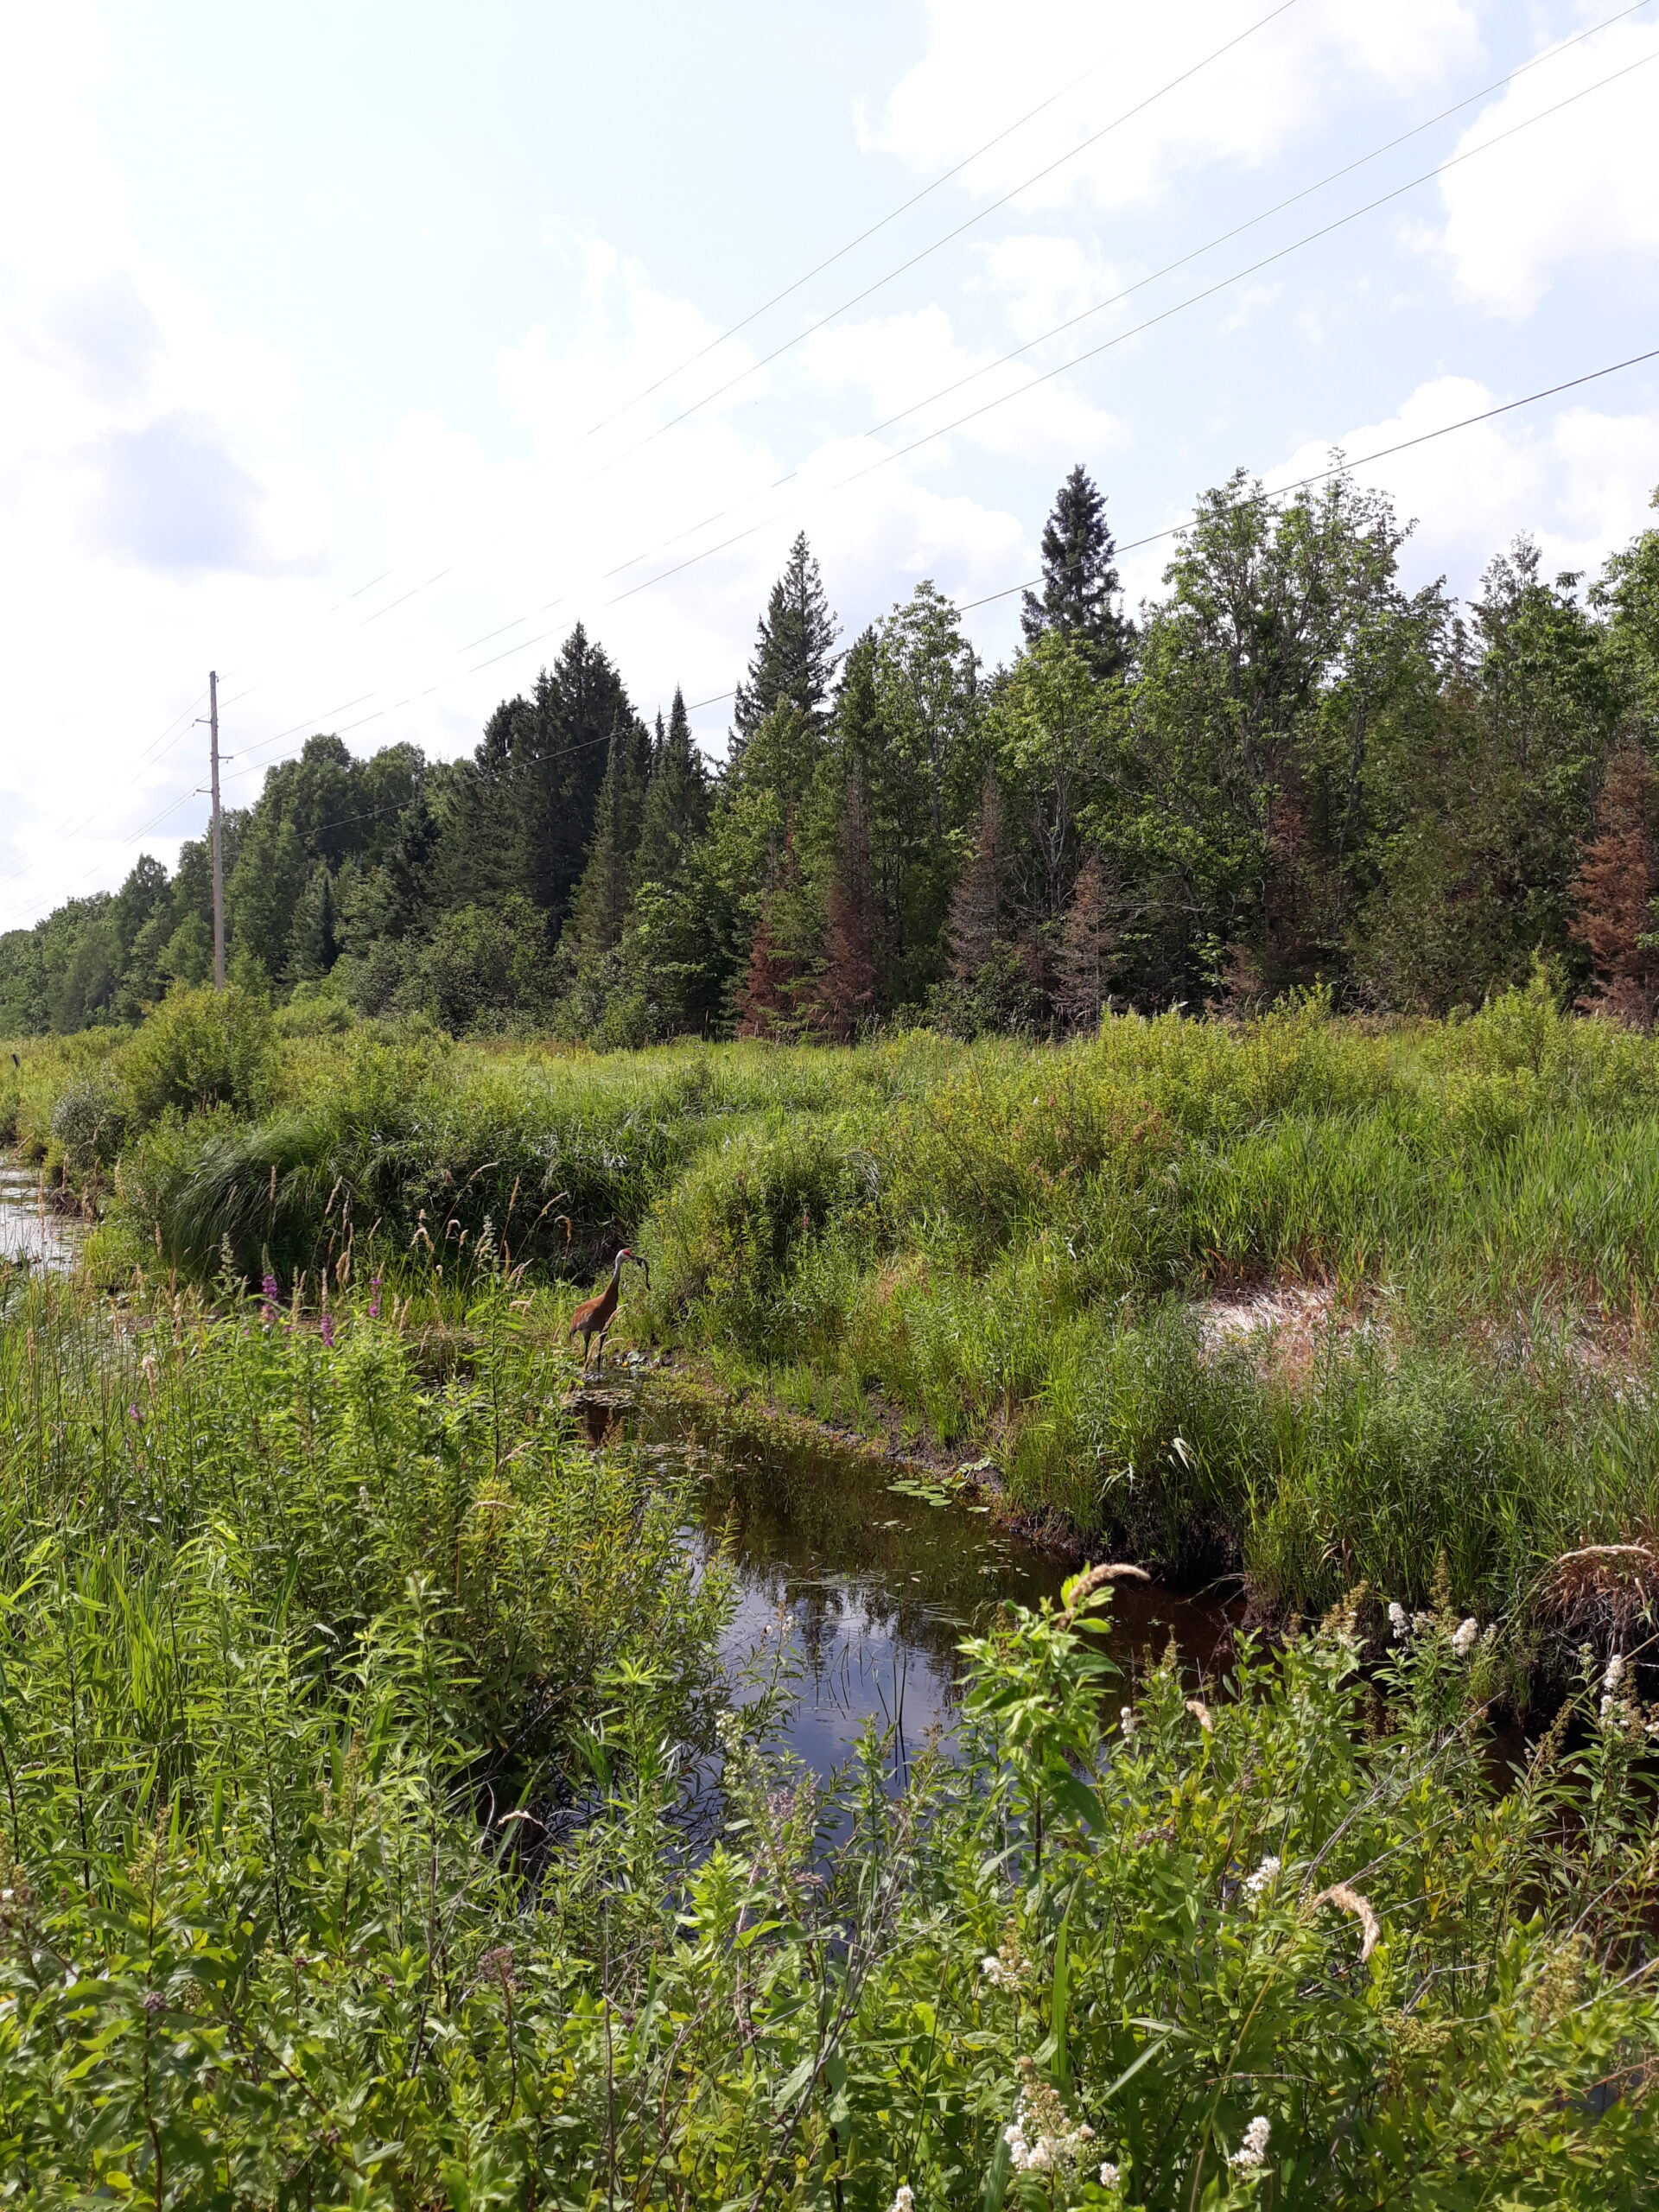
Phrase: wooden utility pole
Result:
[218,851]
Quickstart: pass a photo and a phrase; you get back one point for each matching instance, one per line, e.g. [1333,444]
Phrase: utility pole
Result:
[218,851]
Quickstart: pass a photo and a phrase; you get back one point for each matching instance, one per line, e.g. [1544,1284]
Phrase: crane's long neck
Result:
[616,1272]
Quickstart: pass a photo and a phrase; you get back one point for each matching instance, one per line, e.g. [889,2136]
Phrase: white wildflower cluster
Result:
[1265,1875]
[1465,1636]
[1614,1707]
[1004,1969]
[1125,1721]
[1110,2175]
[903,2199]
[728,1732]
[1253,2150]
[1041,2138]
[1397,1620]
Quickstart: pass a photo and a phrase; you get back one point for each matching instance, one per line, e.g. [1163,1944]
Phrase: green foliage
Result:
[343,1849]
[201,1049]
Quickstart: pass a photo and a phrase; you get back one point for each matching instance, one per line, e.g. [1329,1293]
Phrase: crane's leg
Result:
[603,1333]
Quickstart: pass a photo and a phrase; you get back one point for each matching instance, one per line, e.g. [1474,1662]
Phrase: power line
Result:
[1174,529]
[173,732]
[1342,467]
[1047,376]
[842,252]
[525,645]
[979,216]
[539,637]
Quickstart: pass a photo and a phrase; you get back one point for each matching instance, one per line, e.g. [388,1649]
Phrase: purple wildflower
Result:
[327,1330]
[133,1413]
[374,1301]
[268,1292]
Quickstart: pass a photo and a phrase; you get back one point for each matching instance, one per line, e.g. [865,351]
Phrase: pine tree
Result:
[314,944]
[975,904]
[675,811]
[1082,958]
[794,656]
[1080,579]
[1613,893]
[600,909]
[847,988]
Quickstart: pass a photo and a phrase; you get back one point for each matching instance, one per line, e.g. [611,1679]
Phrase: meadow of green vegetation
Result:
[379,1825]
[1041,1254]
[358,1846]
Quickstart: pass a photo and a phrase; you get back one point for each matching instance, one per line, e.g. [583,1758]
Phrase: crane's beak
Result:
[644,1263]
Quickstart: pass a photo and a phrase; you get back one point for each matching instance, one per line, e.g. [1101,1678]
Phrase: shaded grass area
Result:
[1008,1247]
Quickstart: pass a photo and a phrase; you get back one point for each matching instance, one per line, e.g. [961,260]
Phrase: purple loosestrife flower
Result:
[327,1330]
[268,1294]
[374,1301]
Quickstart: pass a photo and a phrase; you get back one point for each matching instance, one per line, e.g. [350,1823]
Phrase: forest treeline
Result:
[1286,771]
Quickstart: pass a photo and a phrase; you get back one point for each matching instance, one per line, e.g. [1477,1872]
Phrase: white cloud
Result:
[901,360]
[1578,480]
[152,498]
[1578,191]
[1045,279]
[986,63]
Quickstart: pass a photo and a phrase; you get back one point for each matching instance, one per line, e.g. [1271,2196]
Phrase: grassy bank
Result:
[1046,1255]
[351,1731]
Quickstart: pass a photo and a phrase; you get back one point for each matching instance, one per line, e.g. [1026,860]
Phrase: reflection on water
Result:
[870,1588]
[30,1232]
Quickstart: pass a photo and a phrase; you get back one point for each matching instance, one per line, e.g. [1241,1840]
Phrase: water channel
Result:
[869,1574]
[31,1233]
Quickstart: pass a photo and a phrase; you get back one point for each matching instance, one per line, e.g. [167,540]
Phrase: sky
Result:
[357,352]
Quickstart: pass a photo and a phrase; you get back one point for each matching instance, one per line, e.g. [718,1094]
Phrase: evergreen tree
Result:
[1083,958]
[846,990]
[766,1001]
[600,909]
[976,903]
[675,811]
[1613,893]
[1080,579]
[314,944]
[794,650]
[518,819]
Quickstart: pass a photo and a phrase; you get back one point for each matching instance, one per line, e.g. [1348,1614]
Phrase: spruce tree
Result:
[677,800]
[847,987]
[794,650]
[1080,579]
[600,909]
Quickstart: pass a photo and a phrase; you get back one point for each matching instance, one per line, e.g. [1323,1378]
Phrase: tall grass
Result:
[352,1722]
[1011,1249]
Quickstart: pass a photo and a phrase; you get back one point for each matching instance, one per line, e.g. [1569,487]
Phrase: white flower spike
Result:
[1253,2150]
[1266,1873]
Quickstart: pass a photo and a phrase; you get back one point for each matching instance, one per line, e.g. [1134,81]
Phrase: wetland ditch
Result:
[868,1574]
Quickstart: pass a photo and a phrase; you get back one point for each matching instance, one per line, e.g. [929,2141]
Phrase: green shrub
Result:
[91,1120]
[201,1049]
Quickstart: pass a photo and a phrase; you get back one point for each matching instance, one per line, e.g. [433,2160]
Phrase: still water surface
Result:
[30,1232]
[871,1588]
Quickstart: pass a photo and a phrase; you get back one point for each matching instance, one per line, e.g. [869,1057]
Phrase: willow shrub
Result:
[1291,1948]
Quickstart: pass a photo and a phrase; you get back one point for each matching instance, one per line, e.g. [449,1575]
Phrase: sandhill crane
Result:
[594,1316]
